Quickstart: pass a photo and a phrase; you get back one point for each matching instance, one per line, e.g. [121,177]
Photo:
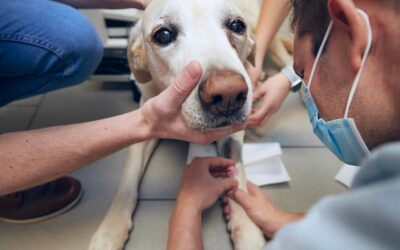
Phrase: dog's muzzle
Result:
[223,93]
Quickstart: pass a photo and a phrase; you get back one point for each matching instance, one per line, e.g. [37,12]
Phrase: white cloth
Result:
[262,161]
[346,174]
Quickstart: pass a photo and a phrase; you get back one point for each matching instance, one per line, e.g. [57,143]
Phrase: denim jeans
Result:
[44,46]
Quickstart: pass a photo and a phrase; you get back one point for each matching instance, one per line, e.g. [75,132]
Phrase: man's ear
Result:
[137,56]
[345,15]
[251,49]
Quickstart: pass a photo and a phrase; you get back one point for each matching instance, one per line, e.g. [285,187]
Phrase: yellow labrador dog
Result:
[171,33]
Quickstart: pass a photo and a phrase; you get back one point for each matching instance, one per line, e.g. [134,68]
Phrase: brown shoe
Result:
[40,202]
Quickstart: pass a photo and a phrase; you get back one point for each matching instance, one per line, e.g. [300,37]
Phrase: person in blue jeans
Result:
[47,45]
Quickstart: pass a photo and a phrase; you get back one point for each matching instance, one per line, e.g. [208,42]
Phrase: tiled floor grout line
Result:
[35,112]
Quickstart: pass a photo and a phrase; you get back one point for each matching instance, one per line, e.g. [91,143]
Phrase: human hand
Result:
[162,114]
[260,209]
[200,187]
[271,93]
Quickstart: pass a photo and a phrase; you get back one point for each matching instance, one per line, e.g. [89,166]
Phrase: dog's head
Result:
[214,32]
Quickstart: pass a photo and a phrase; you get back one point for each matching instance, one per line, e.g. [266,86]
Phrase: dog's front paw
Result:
[111,236]
[248,237]
[244,233]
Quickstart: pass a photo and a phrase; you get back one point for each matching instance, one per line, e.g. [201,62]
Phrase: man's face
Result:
[371,107]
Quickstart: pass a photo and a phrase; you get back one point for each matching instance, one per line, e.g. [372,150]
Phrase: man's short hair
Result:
[312,17]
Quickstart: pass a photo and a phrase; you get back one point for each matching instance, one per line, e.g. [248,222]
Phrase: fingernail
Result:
[194,69]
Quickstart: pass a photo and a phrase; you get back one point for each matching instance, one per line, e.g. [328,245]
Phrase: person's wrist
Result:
[140,128]
[188,204]
[285,82]
[295,81]
[270,227]
[259,60]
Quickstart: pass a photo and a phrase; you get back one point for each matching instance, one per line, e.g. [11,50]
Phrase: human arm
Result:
[198,191]
[107,4]
[32,157]
[261,210]
[272,15]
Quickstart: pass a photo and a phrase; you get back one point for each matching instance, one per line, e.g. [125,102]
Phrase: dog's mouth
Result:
[207,121]
[231,121]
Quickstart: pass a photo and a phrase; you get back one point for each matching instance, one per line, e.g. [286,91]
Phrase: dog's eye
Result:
[237,26]
[164,36]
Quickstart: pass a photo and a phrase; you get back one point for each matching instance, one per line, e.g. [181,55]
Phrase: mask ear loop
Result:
[366,52]
[321,48]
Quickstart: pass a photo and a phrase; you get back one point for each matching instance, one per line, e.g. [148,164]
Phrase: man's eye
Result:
[164,36]
[237,26]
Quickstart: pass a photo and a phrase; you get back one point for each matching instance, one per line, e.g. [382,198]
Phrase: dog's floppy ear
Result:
[251,49]
[137,55]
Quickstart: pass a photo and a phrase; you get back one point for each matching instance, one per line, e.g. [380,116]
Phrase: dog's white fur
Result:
[202,37]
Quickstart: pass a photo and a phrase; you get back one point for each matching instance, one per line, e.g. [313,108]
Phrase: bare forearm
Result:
[33,157]
[106,4]
[185,229]
[284,218]
[273,13]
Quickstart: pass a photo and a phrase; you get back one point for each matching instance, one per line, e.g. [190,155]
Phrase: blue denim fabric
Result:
[44,45]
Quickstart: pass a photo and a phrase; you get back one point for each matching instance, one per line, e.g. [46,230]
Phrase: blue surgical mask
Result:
[341,136]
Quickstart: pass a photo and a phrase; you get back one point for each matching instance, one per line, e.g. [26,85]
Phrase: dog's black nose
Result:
[223,93]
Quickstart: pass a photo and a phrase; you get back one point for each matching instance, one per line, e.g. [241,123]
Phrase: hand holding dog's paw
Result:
[162,114]
[260,209]
[245,234]
[200,187]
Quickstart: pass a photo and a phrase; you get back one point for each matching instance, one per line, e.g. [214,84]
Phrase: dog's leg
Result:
[244,233]
[114,229]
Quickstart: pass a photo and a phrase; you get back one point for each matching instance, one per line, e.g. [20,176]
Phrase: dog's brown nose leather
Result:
[224,92]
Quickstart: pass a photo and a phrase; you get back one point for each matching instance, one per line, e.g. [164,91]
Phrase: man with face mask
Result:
[346,53]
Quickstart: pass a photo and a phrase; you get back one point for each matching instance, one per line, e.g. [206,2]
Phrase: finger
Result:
[260,92]
[228,183]
[227,210]
[184,83]
[233,171]
[225,200]
[220,169]
[260,114]
[220,175]
[241,197]
[253,189]
[223,169]
[230,171]
[217,162]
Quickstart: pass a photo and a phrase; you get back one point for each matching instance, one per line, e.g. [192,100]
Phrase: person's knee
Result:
[83,51]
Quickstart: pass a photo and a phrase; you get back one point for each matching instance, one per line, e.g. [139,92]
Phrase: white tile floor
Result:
[311,167]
